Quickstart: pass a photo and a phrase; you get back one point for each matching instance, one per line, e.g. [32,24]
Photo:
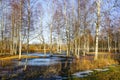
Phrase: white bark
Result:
[20,33]
[67,28]
[20,46]
[97,29]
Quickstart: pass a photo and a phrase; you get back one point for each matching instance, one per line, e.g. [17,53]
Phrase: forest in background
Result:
[74,26]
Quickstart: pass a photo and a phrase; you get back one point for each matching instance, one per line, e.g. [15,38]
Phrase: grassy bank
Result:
[112,74]
[86,64]
[16,57]
[7,60]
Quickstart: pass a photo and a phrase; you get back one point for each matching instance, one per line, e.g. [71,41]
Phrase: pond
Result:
[45,61]
[46,68]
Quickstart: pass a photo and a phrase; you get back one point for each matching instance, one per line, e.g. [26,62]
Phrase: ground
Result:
[112,74]
[16,57]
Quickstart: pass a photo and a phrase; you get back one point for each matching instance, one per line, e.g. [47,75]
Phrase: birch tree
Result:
[2,25]
[28,30]
[97,29]
[67,29]
[51,26]
[20,29]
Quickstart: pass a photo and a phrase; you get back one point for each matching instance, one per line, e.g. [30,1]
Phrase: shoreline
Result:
[17,57]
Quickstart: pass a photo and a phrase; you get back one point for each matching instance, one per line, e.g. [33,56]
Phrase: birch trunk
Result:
[109,49]
[20,27]
[51,38]
[97,29]
[28,27]
[67,28]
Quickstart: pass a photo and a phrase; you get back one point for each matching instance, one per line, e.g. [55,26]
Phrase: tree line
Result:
[73,26]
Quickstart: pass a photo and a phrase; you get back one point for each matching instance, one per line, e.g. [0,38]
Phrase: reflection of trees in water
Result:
[25,66]
[65,68]
[32,72]
[52,70]
[61,69]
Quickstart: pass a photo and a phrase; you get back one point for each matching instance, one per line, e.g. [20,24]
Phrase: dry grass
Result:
[16,57]
[6,63]
[112,74]
[84,64]
[99,53]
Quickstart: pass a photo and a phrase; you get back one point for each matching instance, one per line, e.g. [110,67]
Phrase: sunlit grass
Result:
[85,64]
[17,56]
[6,63]
[112,74]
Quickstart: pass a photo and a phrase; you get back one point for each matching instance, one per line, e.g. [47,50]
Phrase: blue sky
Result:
[46,5]
[48,11]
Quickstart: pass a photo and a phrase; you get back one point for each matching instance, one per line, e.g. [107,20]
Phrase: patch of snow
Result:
[83,73]
[98,69]
[106,69]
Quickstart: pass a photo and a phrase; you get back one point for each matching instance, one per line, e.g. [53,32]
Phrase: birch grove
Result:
[73,27]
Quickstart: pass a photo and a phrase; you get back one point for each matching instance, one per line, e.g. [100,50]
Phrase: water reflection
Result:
[26,63]
[48,68]
[40,62]
[65,68]
[60,70]
[39,54]
[51,68]
[44,61]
